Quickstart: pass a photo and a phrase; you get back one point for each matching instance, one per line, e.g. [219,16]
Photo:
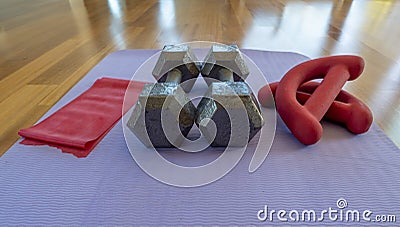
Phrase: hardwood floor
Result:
[48,46]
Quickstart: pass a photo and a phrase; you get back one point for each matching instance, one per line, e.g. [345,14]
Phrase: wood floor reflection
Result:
[48,46]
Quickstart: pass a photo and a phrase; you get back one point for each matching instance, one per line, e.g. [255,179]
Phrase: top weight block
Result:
[178,57]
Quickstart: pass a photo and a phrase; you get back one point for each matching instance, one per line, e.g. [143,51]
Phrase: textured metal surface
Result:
[224,57]
[224,103]
[154,101]
[230,104]
[177,57]
[164,115]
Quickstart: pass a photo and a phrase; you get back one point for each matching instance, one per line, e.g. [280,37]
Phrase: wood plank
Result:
[21,110]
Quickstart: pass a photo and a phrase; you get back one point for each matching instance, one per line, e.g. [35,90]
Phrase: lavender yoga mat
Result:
[42,186]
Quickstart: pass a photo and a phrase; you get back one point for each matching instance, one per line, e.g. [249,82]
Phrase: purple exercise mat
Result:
[42,186]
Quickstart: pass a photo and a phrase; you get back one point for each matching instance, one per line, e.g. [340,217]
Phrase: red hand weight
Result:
[303,120]
[346,109]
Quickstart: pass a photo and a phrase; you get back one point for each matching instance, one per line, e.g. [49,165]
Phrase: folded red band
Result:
[80,125]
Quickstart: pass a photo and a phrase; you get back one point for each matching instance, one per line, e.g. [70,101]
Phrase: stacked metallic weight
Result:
[164,115]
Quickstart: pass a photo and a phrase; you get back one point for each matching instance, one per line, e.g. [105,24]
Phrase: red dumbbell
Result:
[346,109]
[292,92]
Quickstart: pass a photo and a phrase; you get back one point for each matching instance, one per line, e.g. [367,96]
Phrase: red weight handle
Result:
[346,109]
[304,121]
